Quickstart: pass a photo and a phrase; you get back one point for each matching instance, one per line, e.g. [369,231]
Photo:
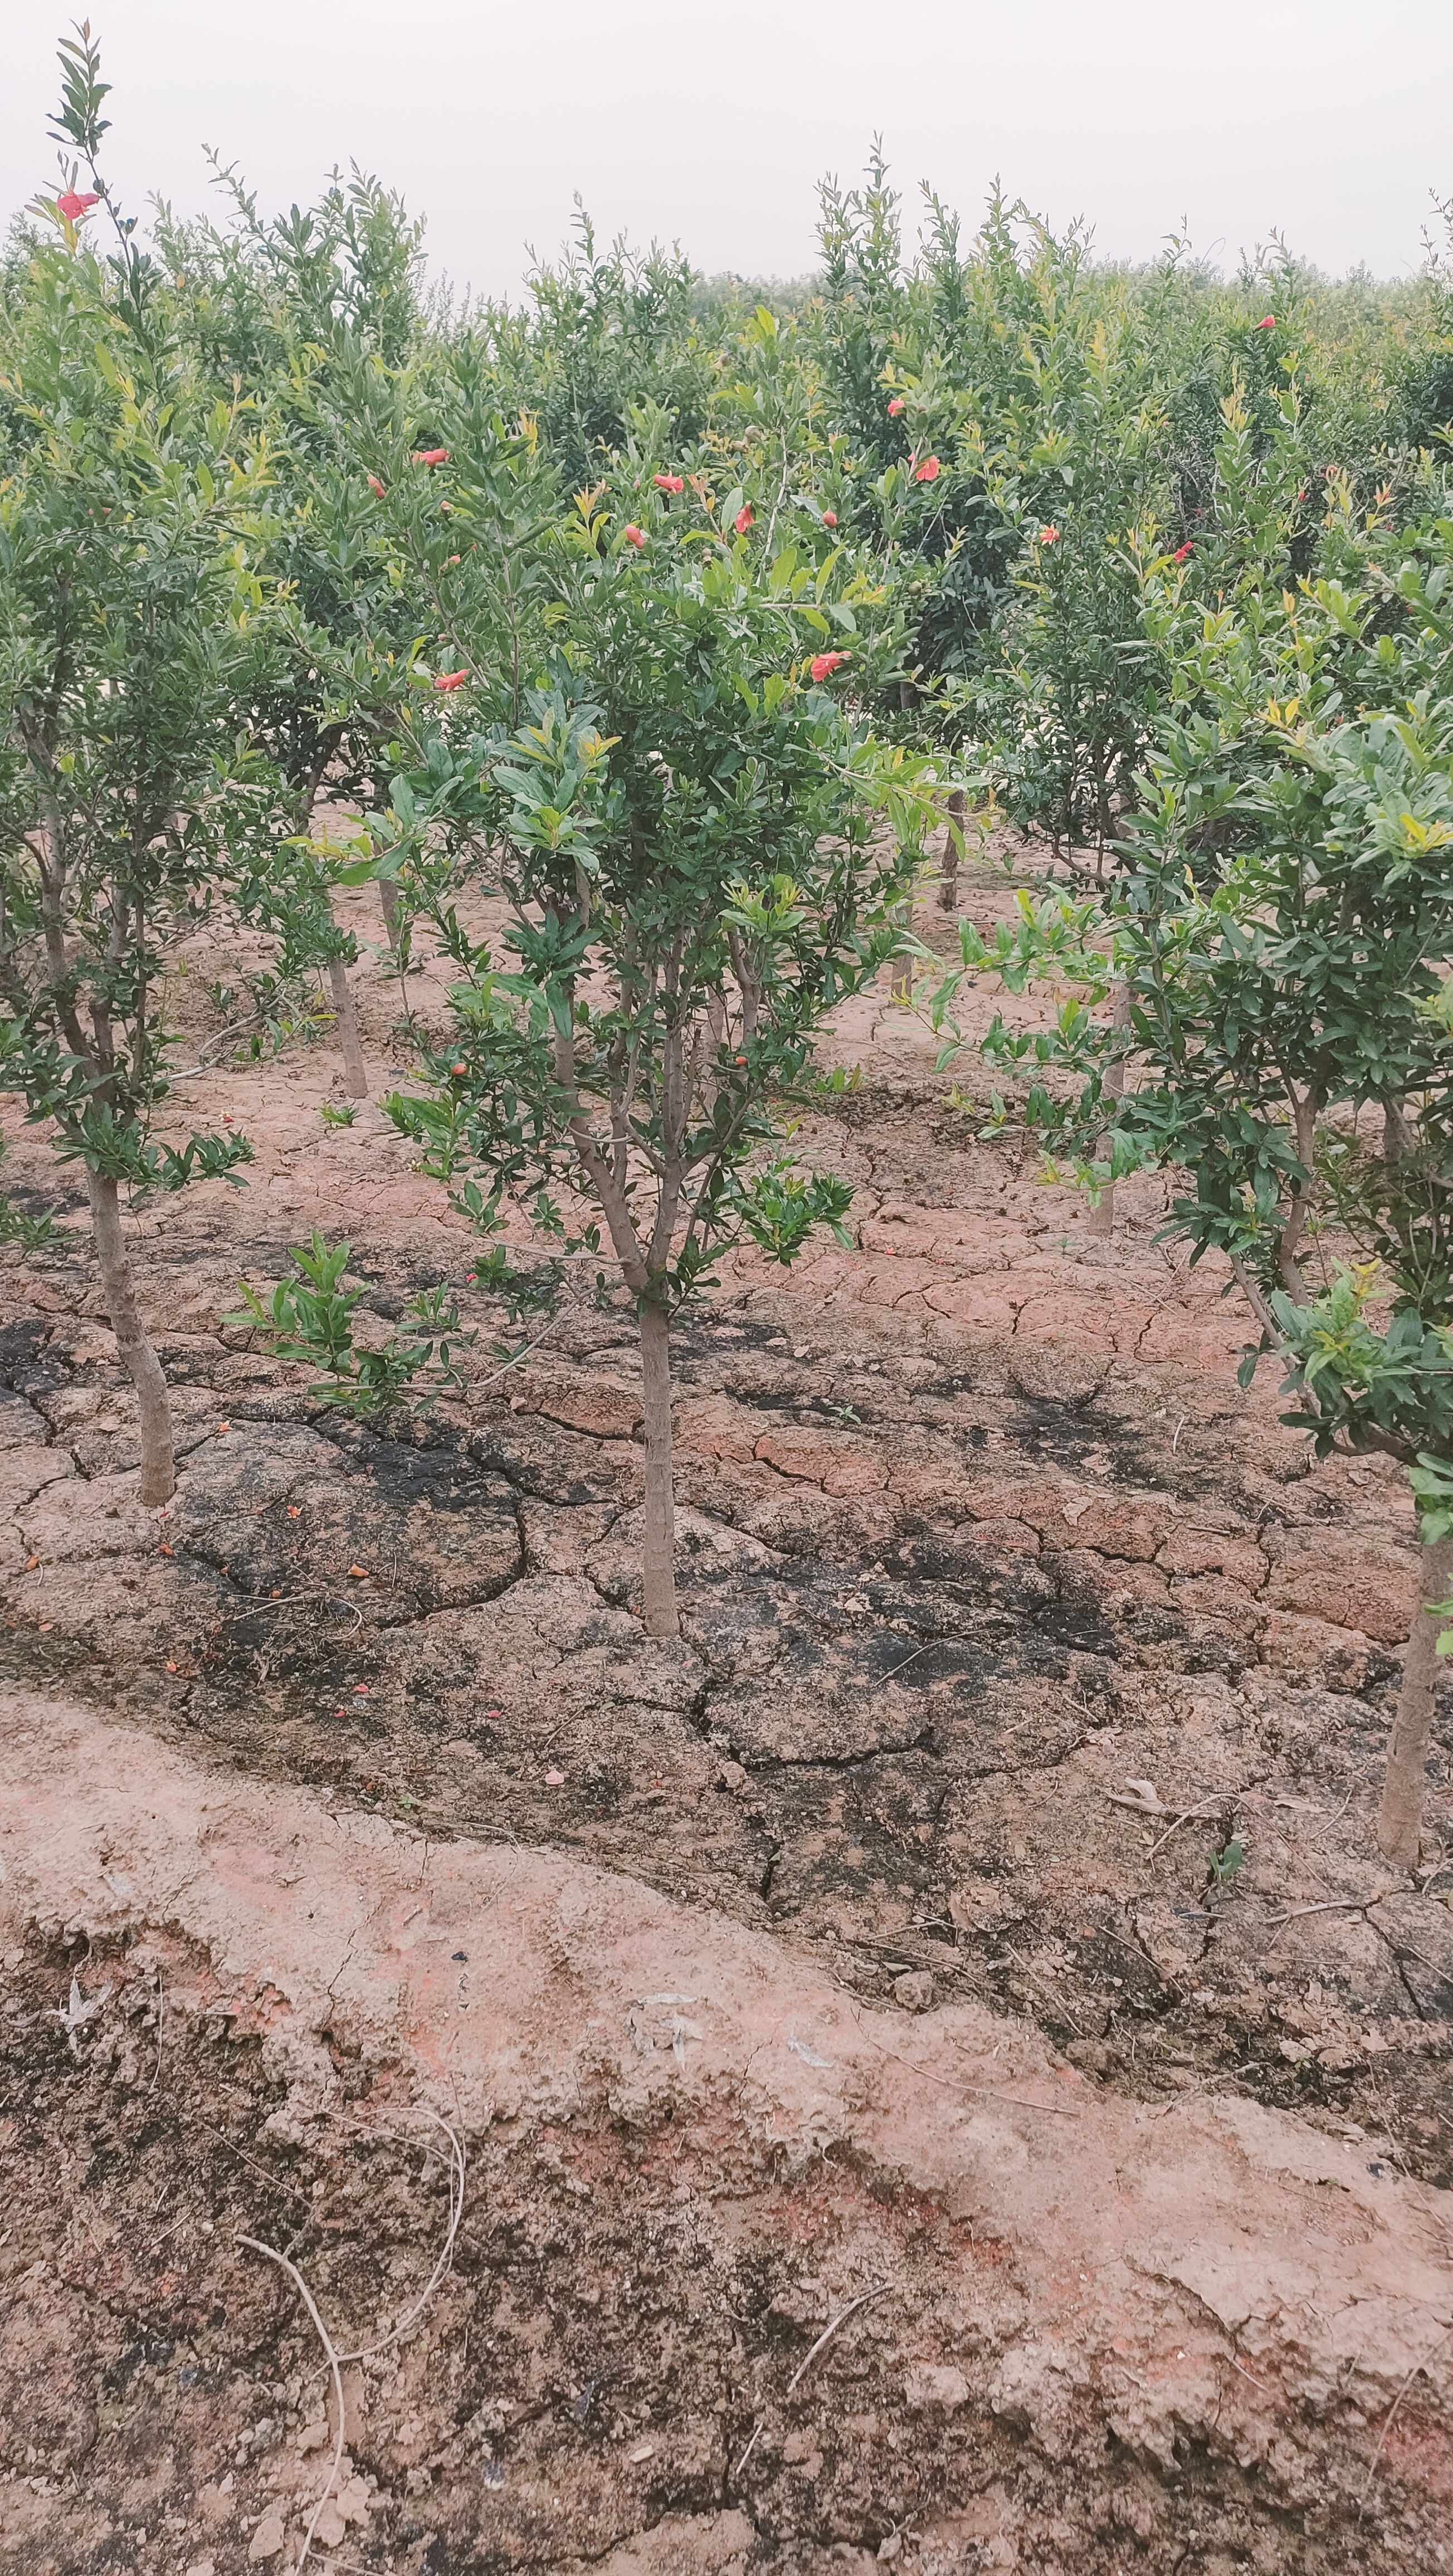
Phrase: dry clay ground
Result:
[883,1936]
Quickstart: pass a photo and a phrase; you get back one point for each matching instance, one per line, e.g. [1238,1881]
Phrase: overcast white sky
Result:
[1328,122]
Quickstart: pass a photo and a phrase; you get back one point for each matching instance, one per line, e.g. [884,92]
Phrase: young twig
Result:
[272,2255]
[865,2299]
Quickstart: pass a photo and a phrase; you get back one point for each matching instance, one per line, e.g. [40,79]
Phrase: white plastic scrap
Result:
[640,2036]
[75,2015]
[681,2031]
[809,2055]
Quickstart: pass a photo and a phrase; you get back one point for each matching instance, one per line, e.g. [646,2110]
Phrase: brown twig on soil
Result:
[480,1383]
[913,1658]
[1326,1905]
[1055,2003]
[1214,1798]
[964,2084]
[1420,2364]
[865,2299]
[457,2170]
[504,1833]
[1136,1806]
[284,1600]
[270,2252]
[751,2446]
[276,2181]
[1199,2090]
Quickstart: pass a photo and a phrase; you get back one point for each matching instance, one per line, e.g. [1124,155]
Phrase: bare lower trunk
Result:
[355,1074]
[901,971]
[660,1547]
[1398,1139]
[158,1462]
[388,896]
[1102,1215]
[1405,1782]
[948,874]
[1304,1127]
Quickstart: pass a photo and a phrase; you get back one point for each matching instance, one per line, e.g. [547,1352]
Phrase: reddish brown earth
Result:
[978,1538]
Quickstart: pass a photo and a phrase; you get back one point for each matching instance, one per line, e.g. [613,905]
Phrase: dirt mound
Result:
[1096,2327]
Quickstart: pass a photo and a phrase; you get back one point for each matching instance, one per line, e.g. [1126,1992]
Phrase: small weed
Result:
[336,1114]
[1226,1862]
[309,1317]
[32,1233]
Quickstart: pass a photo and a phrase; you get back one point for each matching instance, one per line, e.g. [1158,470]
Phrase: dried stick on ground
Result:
[457,2169]
[364,2352]
[272,2255]
[864,2300]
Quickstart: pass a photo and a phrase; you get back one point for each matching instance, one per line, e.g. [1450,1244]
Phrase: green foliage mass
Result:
[668,614]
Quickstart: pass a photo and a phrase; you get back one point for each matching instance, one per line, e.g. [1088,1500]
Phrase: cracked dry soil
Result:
[1007,1617]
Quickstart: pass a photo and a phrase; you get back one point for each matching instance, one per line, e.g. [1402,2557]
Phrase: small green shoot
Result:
[1226,1862]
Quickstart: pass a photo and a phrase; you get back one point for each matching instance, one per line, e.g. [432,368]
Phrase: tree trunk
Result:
[948,875]
[660,1547]
[158,1461]
[1397,1136]
[1405,1781]
[900,972]
[355,1073]
[388,896]
[1102,1216]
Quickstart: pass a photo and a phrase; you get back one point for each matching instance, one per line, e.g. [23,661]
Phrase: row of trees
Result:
[344,573]
[677,622]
